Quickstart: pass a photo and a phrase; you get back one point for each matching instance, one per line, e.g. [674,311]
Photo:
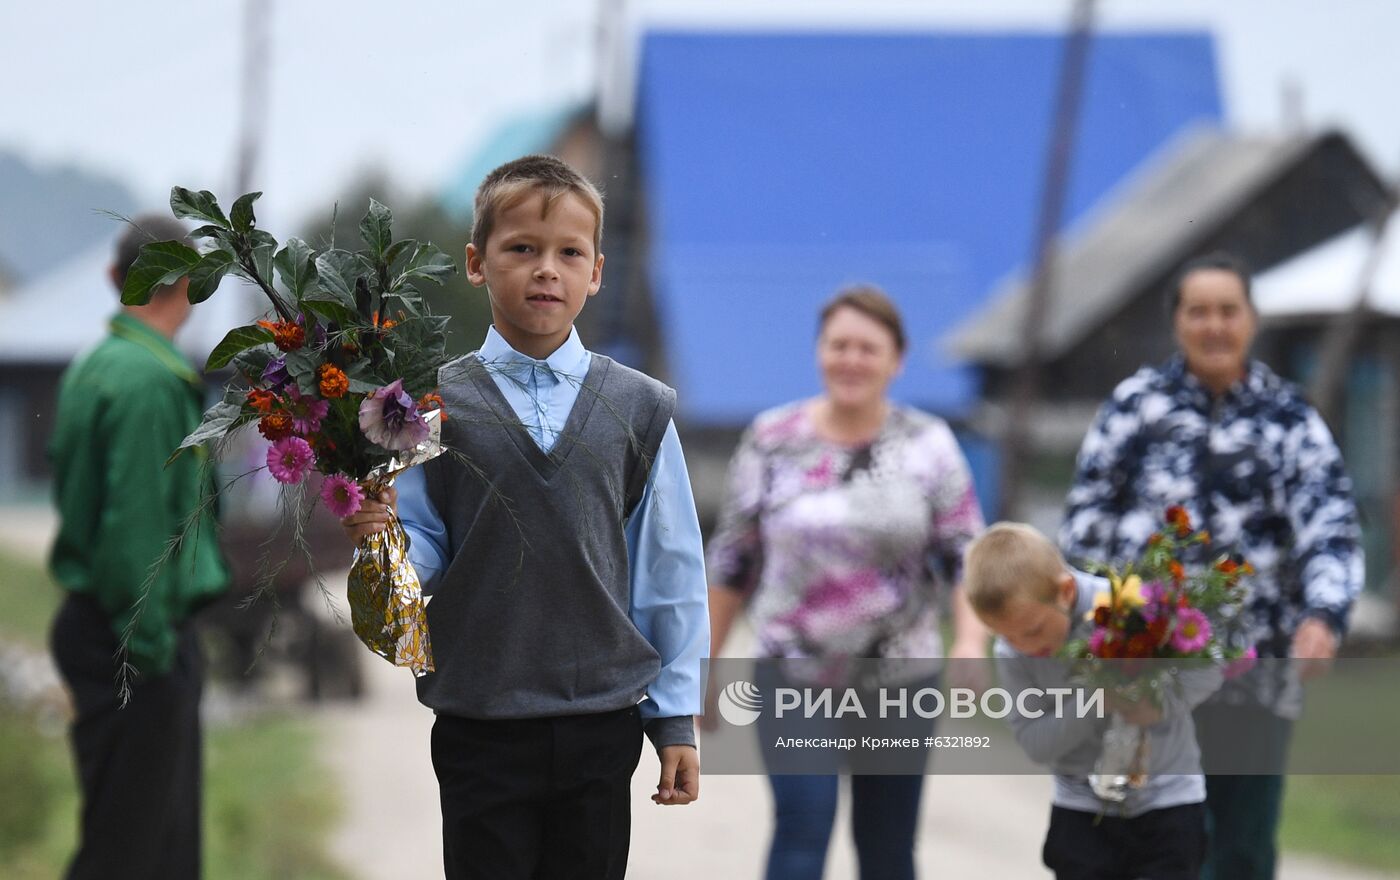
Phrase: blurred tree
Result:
[422,218]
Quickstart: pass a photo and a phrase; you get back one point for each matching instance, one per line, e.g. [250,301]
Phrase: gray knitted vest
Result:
[530,619]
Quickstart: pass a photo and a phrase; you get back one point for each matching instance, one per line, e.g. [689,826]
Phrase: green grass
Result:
[267,812]
[29,598]
[1344,818]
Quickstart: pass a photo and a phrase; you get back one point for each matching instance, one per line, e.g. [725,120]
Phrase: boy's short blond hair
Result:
[508,184]
[1007,560]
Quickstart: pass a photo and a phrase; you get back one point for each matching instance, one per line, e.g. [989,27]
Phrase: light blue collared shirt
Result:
[667,568]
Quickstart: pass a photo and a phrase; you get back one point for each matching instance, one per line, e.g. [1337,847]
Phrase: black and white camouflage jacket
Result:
[1255,466]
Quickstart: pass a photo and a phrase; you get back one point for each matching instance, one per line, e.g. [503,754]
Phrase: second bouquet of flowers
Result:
[333,383]
[1153,613]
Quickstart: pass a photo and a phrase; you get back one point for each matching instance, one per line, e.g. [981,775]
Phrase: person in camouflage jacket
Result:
[1253,463]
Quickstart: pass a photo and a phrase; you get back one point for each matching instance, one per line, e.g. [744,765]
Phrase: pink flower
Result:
[390,418]
[341,495]
[1243,663]
[307,412]
[1096,640]
[289,459]
[1192,631]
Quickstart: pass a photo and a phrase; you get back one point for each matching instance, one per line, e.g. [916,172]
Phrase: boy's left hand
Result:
[680,776]
[1143,713]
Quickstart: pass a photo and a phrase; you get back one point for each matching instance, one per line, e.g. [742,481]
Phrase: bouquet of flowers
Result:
[332,382]
[1155,610]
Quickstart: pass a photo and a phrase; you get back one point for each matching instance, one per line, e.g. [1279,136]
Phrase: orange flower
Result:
[333,381]
[261,400]
[1227,566]
[1178,517]
[286,335]
[275,426]
[1154,539]
[1177,570]
[433,401]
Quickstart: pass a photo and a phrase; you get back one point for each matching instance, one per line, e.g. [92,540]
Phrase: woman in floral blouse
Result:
[841,513]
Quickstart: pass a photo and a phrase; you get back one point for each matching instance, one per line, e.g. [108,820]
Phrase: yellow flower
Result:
[1128,593]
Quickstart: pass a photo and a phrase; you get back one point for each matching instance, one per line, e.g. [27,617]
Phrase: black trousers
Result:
[1166,844]
[539,798]
[1247,748]
[138,766]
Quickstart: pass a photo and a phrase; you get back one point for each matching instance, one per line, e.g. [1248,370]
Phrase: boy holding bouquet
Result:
[1021,588]
[568,611]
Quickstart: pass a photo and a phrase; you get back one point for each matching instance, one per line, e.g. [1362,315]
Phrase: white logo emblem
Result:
[740,703]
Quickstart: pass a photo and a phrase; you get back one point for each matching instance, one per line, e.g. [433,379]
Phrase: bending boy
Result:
[1021,588]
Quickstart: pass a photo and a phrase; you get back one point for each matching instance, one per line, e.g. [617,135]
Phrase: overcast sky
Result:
[148,91]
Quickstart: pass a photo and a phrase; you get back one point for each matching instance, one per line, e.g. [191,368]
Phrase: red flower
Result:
[286,335]
[1180,519]
[275,426]
[1157,630]
[1140,645]
[1102,615]
[261,400]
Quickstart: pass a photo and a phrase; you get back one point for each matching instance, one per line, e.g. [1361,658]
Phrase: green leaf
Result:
[360,386]
[202,206]
[218,420]
[205,278]
[211,231]
[336,271]
[300,361]
[374,229]
[331,311]
[296,266]
[398,249]
[253,361]
[158,264]
[237,341]
[242,212]
[428,262]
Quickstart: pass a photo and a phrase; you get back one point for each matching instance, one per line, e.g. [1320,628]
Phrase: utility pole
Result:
[1016,441]
[252,92]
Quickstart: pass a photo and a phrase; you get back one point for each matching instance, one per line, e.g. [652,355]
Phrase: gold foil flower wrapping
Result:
[387,608]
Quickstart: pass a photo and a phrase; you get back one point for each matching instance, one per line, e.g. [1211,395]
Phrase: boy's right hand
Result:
[372,517]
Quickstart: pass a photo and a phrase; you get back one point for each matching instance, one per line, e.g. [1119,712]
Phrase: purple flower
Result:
[307,412]
[390,418]
[289,459]
[1192,631]
[275,375]
[341,495]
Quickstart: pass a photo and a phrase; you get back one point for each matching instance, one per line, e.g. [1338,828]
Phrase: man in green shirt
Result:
[123,407]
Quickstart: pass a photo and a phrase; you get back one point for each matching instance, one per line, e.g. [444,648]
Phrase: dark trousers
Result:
[539,798]
[1166,844]
[139,766]
[884,818]
[1242,811]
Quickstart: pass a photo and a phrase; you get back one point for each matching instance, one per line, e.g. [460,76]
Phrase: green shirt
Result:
[122,409]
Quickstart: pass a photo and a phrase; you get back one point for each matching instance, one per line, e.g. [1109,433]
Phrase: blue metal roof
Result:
[782,166]
[521,135]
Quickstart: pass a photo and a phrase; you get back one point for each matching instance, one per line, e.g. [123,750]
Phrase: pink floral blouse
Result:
[839,547]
